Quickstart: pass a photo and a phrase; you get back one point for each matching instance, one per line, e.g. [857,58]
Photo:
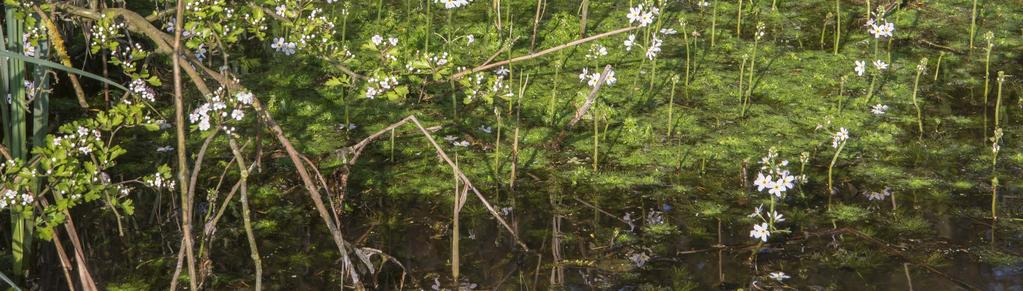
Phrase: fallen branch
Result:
[462,74]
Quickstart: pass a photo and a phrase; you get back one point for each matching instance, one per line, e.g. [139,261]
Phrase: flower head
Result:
[861,68]
[779,276]
[760,232]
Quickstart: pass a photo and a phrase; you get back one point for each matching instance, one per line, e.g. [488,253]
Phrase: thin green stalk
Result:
[973,24]
[916,85]
[937,67]
[596,136]
[671,105]
[996,140]
[713,23]
[752,67]
[429,25]
[738,21]
[831,167]
[838,24]
[987,75]
[742,68]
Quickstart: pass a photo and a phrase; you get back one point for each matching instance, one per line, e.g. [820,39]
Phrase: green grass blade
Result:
[56,66]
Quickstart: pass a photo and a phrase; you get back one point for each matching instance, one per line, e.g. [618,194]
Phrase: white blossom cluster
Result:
[644,18]
[455,142]
[377,86]
[654,49]
[451,4]
[81,139]
[159,181]
[142,90]
[880,28]
[591,79]
[103,33]
[217,107]
[784,182]
[596,51]
[874,195]
[841,136]
[12,198]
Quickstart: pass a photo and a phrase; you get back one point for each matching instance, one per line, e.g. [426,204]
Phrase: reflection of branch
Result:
[356,150]
[462,74]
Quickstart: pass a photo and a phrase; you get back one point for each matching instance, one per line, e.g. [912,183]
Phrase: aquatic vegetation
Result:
[636,145]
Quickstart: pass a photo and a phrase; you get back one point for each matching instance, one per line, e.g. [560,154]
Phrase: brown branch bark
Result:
[179,119]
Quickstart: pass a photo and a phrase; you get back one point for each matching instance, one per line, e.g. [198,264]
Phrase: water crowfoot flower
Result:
[779,276]
[636,14]
[839,137]
[760,232]
[630,42]
[880,65]
[451,4]
[879,109]
[861,68]
[654,49]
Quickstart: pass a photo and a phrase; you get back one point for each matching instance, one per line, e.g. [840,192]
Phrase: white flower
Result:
[377,39]
[703,4]
[776,217]
[839,137]
[469,39]
[281,10]
[244,97]
[654,49]
[237,114]
[393,41]
[668,31]
[503,71]
[879,195]
[164,149]
[861,68]
[283,46]
[486,129]
[776,188]
[880,65]
[757,211]
[760,232]
[762,182]
[786,181]
[879,109]
[879,30]
[450,4]
[636,14]
[204,124]
[200,52]
[631,41]
[779,276]
[585,74]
